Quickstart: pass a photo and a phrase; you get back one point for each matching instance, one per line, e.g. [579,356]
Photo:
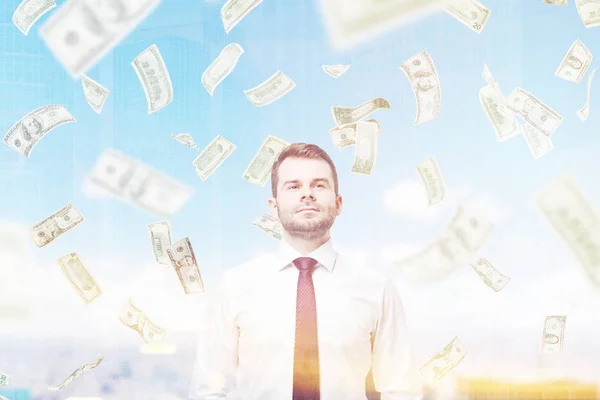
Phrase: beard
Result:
[307,228]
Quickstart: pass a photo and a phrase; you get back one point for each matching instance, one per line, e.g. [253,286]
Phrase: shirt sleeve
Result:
[394,375]
[216,357]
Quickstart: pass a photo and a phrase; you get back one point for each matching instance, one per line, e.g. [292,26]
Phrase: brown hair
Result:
[307,152]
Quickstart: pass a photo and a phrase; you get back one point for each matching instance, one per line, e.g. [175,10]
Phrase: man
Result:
[304,322]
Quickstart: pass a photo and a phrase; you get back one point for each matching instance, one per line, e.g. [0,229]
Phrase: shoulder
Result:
[234,276]
[361,269]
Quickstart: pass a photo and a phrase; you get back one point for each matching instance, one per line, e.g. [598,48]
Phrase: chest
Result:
[346,313]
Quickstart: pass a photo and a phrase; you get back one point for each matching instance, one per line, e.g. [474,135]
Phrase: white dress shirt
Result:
[246,345]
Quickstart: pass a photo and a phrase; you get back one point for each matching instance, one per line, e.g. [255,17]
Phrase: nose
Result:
[308,192]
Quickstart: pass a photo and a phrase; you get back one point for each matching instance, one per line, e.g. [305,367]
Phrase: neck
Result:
[305,246]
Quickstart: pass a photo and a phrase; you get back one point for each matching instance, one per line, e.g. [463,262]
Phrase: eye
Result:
[292,186]
[320,185]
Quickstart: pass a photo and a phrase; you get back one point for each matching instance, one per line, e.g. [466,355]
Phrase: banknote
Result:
[79,277]
[154,77]
[489,274]
[270,225]
[557,2]
[554,334]
[345,116]
[270,90]
[137,184]
[575,63]
[532,110]
[27,131]
[335,71]
[160,239]
[3,379]
[133,317]
[588,11]
[184,261]
[501,117]
[584,112]
[454,247]
[213,156]
[430,173]
[221,67]
[423,77]
[55,225]
[233,11]
[470,13]
[538,143]
[349,23]
[81,32]
[443,362]
[95,93]
[573,216]
[76,374]
[365,150]
[29,11]
[345,135]
[259,169]
[185,139]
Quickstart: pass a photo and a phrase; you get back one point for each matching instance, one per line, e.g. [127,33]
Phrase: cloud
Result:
[408,199]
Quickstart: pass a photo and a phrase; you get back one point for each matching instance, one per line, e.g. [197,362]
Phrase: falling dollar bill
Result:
[538,143]
[574,218]
[95,93]
[29,11]
[455,246]
[133,317]
[80,278]
[532,110]
[81,32]
[233,11]
[160,238]
[365,150]
[270,225]
[55,225]
[423,77]
[588,11]
[554,333]
[430,173]
[25,134]
[584,112]
[3,379]
[213,156]
[184,261]
[221,67]
[345,116]
[154,77]
[352,22]
[492,100]
[575,63]
[556,2]
[470,13]
[335,71]
[345,135]
[270,90]
[76,374]
[489,274]
[185,139]
[137,183]
[443,362]
[259,169]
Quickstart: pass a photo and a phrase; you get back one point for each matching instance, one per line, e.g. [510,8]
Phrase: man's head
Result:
[304,184]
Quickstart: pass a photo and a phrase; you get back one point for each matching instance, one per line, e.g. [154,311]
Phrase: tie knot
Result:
[304,263]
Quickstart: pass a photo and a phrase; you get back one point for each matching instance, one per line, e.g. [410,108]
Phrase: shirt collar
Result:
[286,254]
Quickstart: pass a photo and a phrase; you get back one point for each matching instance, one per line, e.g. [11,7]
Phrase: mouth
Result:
[307,209]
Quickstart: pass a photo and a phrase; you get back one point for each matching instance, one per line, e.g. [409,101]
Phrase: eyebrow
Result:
[298,181]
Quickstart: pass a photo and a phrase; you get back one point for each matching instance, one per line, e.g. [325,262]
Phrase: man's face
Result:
[306,203]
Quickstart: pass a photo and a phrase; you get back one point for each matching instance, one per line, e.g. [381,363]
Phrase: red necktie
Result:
[306,346]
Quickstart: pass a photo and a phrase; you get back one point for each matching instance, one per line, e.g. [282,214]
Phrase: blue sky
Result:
[523,44]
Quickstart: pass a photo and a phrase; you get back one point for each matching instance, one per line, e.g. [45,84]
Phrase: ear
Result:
[338,205]
[273,208]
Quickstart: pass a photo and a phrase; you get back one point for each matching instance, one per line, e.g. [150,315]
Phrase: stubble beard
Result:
[307,229]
